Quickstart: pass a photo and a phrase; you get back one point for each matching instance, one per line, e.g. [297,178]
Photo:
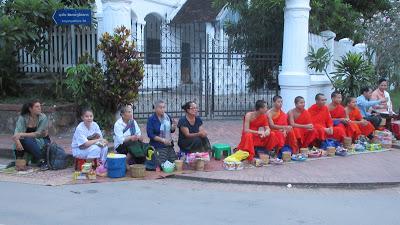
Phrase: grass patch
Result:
[395,97]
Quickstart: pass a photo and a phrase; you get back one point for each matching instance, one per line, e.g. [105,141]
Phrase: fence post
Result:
[329,41]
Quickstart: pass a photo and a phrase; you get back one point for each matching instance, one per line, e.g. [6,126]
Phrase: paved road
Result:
[177,202]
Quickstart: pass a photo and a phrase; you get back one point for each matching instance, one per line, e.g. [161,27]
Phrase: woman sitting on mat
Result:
[192,135]
[31,132]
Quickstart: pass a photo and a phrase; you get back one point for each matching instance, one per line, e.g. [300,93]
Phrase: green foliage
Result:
[24,24]
[368,8]
[258,32]
[352,73]
[124,71]
[85,81]
[334,15]
[117,85]
[319,61]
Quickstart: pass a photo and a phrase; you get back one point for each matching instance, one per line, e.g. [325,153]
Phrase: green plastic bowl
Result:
[168,169]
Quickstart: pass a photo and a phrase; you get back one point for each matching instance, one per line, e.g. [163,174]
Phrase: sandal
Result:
[299,157]
[315,154]
[341,151]
[276,161]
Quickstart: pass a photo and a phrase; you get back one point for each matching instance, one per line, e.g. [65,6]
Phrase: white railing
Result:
[337,48]
[66,45]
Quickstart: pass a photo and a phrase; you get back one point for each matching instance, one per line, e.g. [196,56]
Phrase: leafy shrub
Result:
[117,85]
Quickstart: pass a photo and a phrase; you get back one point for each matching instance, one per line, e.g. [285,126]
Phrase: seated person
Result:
[386,107]
[278,121]
[159,129]
[256,131]
[88,142]
[300,120]
[127,136]
[31,133]
[364,104]
[323,122]
[340,118]
[192,135]
[364,127]
[381,94]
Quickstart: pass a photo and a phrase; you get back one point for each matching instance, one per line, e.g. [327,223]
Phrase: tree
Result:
[369,8]
[334,15]
[257,36]
[382,35]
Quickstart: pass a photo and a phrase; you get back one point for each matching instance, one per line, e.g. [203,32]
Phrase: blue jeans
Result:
[30,145]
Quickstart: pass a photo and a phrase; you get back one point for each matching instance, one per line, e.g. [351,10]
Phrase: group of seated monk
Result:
[303,128]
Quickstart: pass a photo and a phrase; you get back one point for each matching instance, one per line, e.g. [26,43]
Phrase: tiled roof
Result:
[196,11]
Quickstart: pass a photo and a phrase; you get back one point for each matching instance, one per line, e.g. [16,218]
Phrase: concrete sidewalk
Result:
[354,171]
[369,169]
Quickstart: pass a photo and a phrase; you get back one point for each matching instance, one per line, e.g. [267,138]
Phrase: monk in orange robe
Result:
[323,122]
[300,120]
[340,118]
[278,121]
[256,131]
[364,127]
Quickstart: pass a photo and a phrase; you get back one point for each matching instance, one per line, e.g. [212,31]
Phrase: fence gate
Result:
[184,63]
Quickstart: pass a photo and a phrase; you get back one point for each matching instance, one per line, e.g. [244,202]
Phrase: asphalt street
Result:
[178,202]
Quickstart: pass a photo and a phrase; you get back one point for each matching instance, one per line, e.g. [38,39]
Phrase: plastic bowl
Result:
[168,169]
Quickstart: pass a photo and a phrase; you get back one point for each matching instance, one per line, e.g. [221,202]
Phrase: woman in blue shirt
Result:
[192,135]
[160,126]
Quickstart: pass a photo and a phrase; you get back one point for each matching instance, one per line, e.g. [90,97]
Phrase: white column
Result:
[294,79]
[116,13]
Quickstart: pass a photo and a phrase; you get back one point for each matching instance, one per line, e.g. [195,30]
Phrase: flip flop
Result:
[299,158]
[276,161]
[341,151]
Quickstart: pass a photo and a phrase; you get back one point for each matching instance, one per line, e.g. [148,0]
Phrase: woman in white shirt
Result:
[88,142]
[127,136]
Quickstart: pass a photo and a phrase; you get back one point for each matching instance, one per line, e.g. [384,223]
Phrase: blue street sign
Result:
[73,17]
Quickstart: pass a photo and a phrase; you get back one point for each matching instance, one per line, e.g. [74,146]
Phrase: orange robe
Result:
[321,119]
[304,136]
[281,119]
[355,115]
[250,140]
[350,128]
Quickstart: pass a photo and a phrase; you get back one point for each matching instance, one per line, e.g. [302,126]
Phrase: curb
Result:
[369,185]
[353,185]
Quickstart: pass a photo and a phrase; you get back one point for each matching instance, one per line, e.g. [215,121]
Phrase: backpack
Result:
[56,157]
[151,162]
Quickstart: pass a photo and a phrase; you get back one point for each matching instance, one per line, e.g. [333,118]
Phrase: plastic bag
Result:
[191,157]
[237,156]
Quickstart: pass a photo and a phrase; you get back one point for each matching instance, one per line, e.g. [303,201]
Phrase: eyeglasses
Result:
[193,108]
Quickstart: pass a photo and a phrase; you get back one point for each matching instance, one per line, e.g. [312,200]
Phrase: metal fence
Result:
[183,62]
